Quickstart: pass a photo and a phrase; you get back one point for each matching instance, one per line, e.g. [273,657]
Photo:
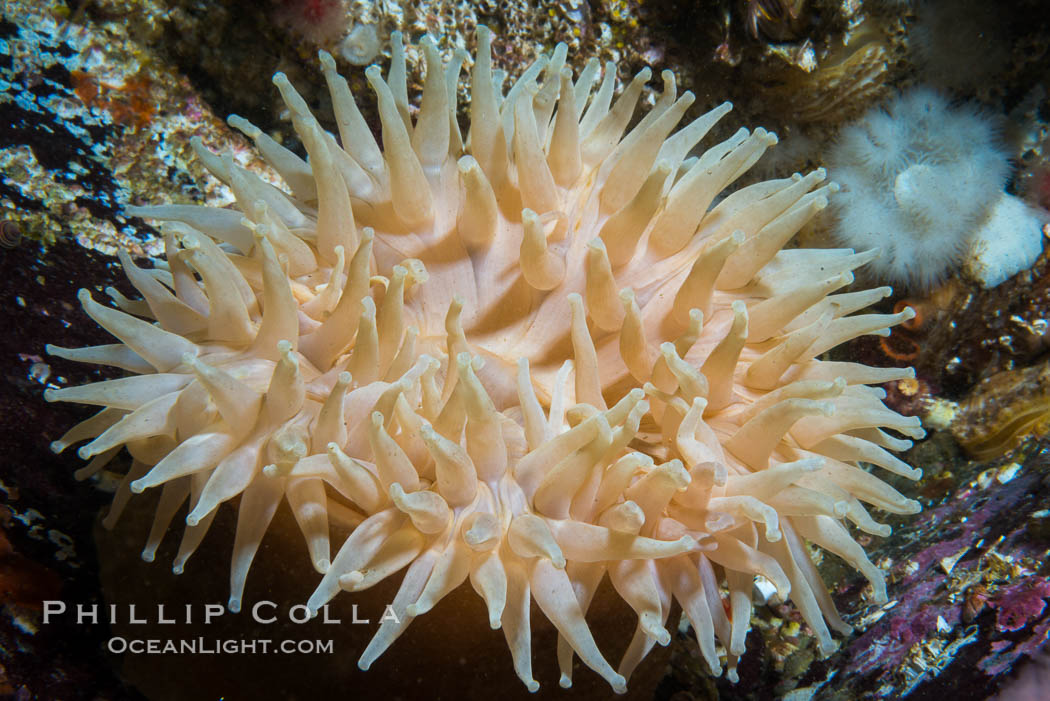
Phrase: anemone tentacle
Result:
[531,357]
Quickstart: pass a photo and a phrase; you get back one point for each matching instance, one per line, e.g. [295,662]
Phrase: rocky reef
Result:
[103,97]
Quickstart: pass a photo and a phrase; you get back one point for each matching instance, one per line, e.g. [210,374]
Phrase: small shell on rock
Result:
[1002,410]
[10,234]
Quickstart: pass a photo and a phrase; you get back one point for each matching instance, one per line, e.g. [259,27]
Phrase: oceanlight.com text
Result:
[211,646]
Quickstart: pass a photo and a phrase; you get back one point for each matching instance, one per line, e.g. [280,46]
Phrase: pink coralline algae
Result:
[1019,604]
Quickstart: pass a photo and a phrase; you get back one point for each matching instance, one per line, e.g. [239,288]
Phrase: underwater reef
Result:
[102,126]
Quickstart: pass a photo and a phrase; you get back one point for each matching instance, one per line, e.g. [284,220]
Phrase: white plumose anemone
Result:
[923,180]
[531,358]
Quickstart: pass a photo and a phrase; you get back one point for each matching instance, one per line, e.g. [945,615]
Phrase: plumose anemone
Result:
[924,180]
[532,358]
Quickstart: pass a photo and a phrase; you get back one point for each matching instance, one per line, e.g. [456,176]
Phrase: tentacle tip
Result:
[148,555]
[363,665]
[466,164]
[619,684]
[350,580]
[323,565]
[138,486]
[234,605]
[565,681]
[664,639]
[51,396]
[57,446]
[193,520]
[532,685]
[178,568]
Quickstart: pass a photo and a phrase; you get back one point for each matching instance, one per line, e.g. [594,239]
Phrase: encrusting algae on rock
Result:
[529,356]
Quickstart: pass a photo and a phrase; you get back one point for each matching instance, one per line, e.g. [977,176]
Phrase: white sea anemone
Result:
[531,358]
[920,178]
[1010,240]
[361,45]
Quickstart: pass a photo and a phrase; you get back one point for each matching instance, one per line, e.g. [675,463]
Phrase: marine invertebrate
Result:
[1002,410]
[850,77]
[778,20]
[1010,240]
[531,357]
[10,234]
[924,181]
[361,45]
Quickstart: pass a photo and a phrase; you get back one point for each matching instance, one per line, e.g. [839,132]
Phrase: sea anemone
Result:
[361,45]
[531,358]
[919,178]
[924,181]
